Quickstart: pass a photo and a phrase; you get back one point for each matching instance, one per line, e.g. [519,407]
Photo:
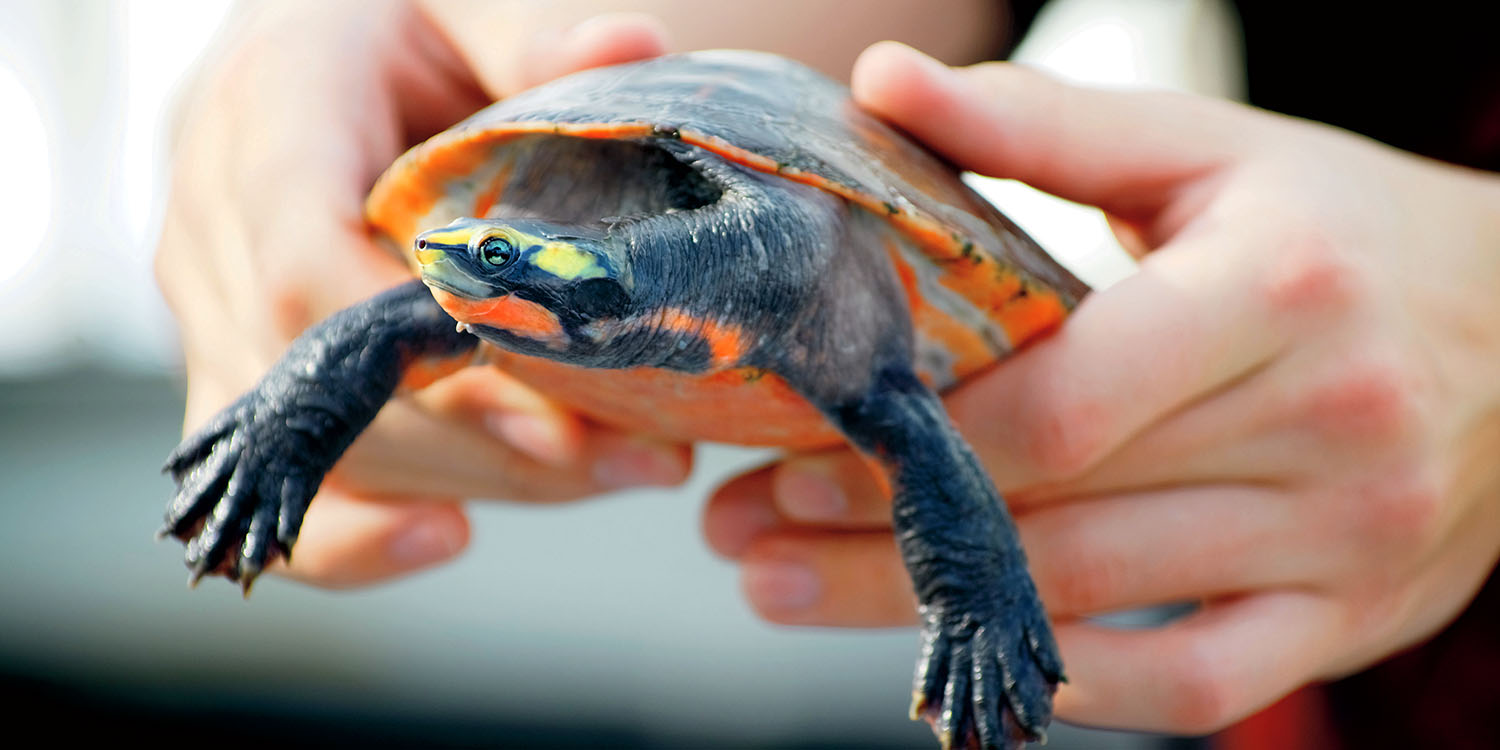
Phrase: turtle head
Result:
[523,278]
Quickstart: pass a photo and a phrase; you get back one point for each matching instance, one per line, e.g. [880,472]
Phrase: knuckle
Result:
[1202,696]
[1310,276]
[1085,581]
[1376,613]
[290,311]
[1402,515]
[1064,437]
[1371,401]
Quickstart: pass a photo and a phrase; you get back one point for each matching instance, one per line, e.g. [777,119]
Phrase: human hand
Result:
[1291,414]
[264,235]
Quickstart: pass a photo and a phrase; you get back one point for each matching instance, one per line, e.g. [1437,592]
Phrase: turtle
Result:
[716,245]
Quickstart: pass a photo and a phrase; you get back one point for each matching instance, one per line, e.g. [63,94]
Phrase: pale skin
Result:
[1291,414]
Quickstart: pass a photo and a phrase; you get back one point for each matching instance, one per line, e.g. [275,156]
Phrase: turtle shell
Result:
[977,286]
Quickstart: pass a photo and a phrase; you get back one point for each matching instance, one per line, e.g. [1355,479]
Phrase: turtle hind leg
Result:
[989,665]
[245,479]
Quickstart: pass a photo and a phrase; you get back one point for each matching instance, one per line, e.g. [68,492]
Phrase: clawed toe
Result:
[985,682]
[235,508]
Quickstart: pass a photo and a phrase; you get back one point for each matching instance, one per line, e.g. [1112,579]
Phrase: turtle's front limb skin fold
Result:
[989,665]
[244,480]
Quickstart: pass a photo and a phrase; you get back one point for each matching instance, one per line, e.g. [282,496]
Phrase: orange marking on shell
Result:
[906,274]
[971,352]
[725,342]
[1025,318]
[1024,310]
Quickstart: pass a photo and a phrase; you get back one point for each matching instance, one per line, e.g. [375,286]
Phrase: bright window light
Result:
[26,190]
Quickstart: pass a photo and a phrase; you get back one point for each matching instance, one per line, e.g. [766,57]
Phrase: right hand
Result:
[279,140]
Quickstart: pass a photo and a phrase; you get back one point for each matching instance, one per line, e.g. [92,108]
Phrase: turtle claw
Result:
[985,682]
[240,498]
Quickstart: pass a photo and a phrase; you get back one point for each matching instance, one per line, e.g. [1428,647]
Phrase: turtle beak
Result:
[441,253]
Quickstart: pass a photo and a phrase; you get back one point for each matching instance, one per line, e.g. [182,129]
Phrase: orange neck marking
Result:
[726,342]
[509,313]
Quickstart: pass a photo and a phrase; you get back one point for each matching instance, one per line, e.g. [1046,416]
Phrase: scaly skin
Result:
[245,479]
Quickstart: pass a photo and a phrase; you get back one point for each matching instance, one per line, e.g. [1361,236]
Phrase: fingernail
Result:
[428,542]
[782,585]
[537,436]
[639,465]
[805,492]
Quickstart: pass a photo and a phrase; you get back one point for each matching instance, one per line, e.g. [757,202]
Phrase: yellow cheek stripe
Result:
[567,262]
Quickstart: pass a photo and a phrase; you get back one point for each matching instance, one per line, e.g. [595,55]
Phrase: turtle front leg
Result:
[244,480]
[989,665]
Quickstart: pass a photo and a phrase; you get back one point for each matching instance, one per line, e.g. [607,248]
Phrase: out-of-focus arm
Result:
[827,34]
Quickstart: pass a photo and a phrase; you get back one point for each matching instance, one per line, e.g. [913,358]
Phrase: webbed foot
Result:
[243,485]
[244,480]
[985,677]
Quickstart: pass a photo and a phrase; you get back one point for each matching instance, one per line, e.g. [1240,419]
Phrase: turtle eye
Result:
[496,251]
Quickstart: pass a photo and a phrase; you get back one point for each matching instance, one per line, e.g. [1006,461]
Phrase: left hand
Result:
[302,105]
[1290,414]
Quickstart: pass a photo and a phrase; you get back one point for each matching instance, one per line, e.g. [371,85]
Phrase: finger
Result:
[1201,673]
[1201,377]
[1313,416]
[738,512]
[513,46]
[408,451]
[431,85]
[346,541]
[826,491]
[1178,331]
[833,490]
[853,579]
[608,39]
[1096,555]
[308,286]
[1122,552]
[486,398]
[1130,153]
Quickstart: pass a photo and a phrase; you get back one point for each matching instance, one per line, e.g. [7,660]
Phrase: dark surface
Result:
[1421,77]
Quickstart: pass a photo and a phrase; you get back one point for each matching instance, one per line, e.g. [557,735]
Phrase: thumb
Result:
[514,46]
[603,40]
[1129,153]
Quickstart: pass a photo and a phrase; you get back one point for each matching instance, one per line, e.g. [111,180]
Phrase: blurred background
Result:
[554,630]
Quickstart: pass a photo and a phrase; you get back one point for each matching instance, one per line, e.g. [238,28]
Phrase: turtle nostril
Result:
[421,244]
